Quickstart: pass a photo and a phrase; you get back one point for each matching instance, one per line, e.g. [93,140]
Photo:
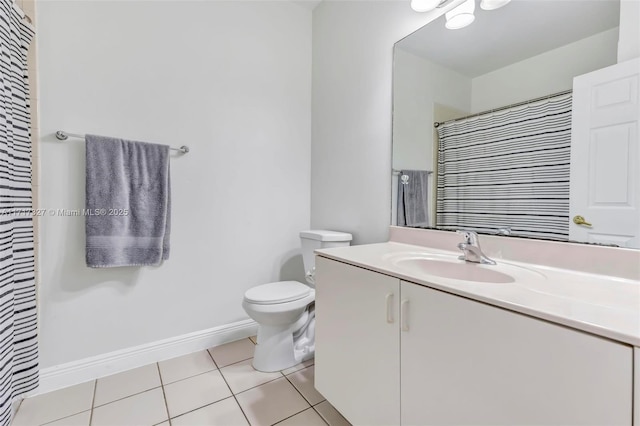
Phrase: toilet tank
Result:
[317,239]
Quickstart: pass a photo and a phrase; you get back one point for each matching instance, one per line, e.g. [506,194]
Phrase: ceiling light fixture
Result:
[493,4]
[461,16]
[424,5]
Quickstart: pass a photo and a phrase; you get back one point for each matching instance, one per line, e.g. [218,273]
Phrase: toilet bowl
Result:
[285,310]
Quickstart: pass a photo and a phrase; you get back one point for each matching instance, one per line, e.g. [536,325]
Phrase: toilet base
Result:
[275,350]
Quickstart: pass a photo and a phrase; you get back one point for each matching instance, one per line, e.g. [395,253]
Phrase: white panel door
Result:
[357,365]
[605,156]
[467,363]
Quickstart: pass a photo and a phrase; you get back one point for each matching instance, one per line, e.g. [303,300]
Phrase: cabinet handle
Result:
[389,300]
[404,315]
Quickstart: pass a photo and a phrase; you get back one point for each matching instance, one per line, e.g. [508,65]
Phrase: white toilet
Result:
[285,310]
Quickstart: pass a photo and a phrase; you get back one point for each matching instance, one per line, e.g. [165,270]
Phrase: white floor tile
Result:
[269,403]
[55,405]
[186,366]
[331,415]
[127,383]
[297,367]
[225,413]
[242,376]
[303,381]
[195,392]
[81,419]
[147,408]
[230,353]
[308,417]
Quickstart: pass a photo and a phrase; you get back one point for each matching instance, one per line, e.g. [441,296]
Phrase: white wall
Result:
[352,103]
[417,85]
[629,43]
[544,74]
[229,79]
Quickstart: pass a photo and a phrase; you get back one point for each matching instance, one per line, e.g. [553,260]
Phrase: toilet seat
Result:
[277,292]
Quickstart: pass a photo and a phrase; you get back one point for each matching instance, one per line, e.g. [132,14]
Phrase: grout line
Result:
[269,381]
[298,390]
[233,363]
[313,406]
[199,408]
[319,414]
[188,377]
[128,396]
[303,397]
[256,386]
[295,414]
[65,417]
[214,361]
[164,395]
[93,400]
[230,390]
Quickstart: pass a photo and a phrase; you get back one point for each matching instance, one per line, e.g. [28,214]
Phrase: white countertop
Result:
[598,304]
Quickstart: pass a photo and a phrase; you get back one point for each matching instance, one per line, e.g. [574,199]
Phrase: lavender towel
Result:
[128,202]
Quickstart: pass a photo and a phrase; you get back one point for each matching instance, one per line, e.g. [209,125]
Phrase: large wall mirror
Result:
[482,123]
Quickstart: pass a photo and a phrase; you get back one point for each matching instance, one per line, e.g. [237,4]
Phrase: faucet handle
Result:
[505,230]
[470,237]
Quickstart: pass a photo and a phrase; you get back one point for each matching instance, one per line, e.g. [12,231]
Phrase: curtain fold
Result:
[507,169]
[18,326]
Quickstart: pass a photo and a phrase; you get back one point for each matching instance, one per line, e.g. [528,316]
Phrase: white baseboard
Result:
[83,370]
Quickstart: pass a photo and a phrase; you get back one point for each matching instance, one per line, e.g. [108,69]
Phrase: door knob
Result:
[579,220]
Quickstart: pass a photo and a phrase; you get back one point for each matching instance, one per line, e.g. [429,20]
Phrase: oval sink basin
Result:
[460,270]
[451,267]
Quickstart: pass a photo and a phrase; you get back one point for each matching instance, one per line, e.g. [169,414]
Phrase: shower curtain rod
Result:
[542,98]
[400,171]
[63,136]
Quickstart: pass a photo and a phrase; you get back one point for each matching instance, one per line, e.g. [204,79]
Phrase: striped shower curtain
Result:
[18,327]
[507,169]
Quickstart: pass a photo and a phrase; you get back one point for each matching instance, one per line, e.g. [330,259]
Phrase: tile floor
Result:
[213,387]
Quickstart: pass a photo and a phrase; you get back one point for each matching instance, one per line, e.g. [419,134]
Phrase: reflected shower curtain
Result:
[18,327]
[507,169]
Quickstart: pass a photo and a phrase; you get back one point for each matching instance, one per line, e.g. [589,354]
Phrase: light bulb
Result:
[461,16]
[493,4]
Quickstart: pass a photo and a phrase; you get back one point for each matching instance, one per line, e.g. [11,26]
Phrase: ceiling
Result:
[308,4]
[517,31]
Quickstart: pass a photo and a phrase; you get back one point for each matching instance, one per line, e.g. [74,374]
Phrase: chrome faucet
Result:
[504,230]
[471,249]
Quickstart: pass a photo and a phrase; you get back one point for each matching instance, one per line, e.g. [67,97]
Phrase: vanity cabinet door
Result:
[464,362]
[357,361]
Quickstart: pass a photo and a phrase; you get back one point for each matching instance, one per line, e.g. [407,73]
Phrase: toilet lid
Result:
[278,292]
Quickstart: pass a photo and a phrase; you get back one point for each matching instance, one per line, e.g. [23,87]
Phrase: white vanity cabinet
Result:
[358,340]
[426,357]
[465,362]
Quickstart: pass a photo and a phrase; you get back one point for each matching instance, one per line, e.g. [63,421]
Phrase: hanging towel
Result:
[128,202]
[413,188]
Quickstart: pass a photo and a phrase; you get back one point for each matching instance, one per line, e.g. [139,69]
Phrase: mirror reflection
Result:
[483,121]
